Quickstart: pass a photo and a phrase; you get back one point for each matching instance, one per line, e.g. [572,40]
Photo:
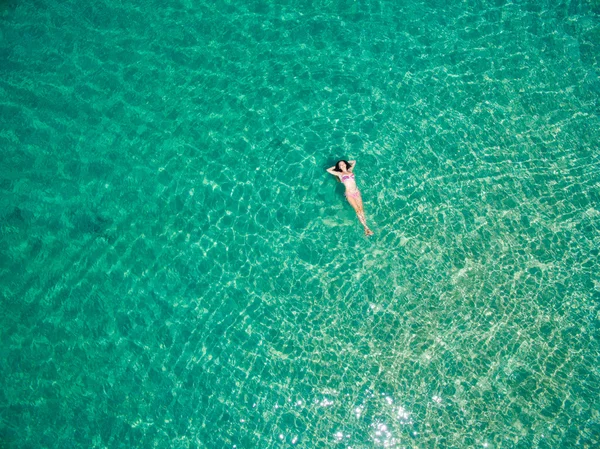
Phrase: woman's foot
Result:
[368,232]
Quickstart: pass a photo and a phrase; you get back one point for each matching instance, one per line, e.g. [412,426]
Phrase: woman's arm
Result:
[331,171]
[352,164]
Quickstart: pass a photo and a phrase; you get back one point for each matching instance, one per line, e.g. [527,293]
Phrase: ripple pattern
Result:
[177,270]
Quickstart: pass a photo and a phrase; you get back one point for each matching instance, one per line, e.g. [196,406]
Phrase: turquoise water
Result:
[178,271]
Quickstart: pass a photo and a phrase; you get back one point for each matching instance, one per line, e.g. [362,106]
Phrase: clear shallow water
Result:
[177,270]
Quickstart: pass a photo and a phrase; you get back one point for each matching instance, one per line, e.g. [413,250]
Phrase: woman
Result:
[343,170]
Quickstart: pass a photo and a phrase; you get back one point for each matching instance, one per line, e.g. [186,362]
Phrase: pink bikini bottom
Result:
[355,194]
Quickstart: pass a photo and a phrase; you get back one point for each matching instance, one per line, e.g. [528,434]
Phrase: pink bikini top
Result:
[347,177]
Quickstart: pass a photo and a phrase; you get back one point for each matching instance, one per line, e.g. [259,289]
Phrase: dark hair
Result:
[337,165]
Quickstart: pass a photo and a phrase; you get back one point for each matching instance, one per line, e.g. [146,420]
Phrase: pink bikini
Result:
[356,193]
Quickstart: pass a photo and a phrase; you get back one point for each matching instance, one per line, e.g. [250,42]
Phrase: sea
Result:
[178,270]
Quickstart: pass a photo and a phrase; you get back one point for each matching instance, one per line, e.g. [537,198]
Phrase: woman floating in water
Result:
[343,170]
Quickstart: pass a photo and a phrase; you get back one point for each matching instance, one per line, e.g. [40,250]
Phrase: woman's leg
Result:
[357,205]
